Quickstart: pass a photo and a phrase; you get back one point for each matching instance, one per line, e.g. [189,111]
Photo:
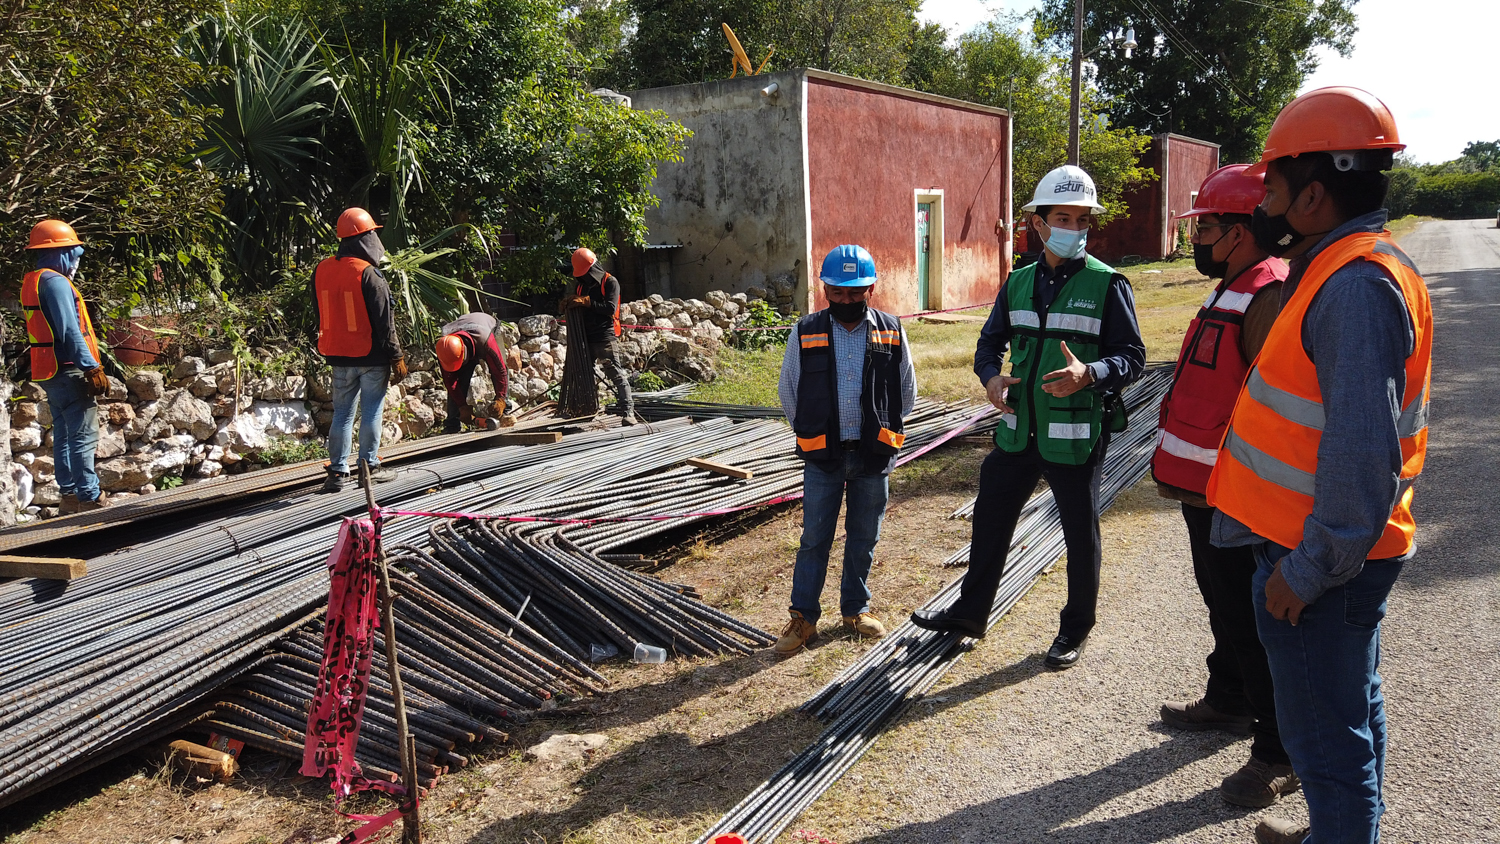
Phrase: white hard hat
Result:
[1067,185]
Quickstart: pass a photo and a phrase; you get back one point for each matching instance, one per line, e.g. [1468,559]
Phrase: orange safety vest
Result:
[1268,461]
[39,332]
[343,319]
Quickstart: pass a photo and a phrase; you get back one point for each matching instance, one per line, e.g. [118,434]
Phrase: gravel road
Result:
[1007,752]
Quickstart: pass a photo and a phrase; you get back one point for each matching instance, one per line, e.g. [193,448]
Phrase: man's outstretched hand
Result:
[1071,378]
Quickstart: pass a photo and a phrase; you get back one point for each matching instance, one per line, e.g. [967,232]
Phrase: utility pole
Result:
[1073,118]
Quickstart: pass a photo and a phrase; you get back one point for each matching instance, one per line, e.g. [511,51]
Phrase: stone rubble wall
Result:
[200,420]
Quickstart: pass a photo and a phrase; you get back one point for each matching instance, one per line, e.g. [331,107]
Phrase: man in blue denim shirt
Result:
[847,381]
[1327,437]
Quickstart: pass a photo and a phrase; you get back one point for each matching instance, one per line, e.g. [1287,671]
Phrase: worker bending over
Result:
[847,382]
[595,309]
[465,342]
[1069,323]
[1317,469]
[1221,342]
[65,361]
[357,336]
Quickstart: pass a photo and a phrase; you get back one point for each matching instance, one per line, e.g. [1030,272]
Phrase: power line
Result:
[1223,79]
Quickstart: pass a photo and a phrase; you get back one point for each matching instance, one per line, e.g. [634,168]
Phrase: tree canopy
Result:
[95,130]
[1215,71]
[998,65]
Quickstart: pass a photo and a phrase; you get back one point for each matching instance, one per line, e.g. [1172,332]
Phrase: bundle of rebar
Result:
[145,644]
[578,395]
[870,694]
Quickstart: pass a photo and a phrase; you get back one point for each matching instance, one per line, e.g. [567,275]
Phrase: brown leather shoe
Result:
[1279,831]
[795,635]
[1198,715]
[1259,784]
[69,504]
[865,624]
[97,504]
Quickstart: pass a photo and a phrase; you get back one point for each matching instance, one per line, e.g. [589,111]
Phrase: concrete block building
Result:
[1150,232]
[783,167]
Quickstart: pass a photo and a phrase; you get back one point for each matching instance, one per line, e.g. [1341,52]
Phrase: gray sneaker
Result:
[1259,784]
[381,474]
[335,481]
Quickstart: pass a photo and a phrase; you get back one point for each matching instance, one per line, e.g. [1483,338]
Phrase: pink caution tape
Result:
[785,327]
[338,705]
[657,517]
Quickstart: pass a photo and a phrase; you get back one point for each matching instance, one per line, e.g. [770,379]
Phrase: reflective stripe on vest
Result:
[1267,466]
[39,333]
[1210,372]
[343,319]
[1065,429]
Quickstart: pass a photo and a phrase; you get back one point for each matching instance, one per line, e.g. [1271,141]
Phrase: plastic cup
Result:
[645,653]
[599,653]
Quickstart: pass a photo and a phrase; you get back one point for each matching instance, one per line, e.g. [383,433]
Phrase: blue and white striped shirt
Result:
[849,365]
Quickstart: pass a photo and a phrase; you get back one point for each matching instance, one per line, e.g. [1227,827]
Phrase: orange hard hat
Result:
[1330,120]
[49,234]
[583,258]
[450,352]
[1228,190]
[355,221]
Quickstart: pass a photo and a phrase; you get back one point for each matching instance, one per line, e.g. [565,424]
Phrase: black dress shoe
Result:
[1064,652]
[944,621]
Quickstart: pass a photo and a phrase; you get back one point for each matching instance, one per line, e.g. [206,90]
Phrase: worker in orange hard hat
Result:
[464,343]
[357,336]
[65,360]
[1317,468]
[595,309]
[1220,344]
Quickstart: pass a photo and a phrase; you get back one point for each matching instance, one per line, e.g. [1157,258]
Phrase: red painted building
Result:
[783,167]
[1149,233]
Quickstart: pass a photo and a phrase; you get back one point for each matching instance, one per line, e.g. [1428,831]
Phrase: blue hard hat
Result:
[848,266]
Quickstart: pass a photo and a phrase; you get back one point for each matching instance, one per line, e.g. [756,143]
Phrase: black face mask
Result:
[848,311]
[1203,260]
[1274,235]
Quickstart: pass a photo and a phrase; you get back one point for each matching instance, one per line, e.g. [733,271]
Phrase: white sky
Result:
[1433,63]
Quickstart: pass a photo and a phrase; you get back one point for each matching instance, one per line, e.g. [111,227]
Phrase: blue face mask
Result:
[1065,243]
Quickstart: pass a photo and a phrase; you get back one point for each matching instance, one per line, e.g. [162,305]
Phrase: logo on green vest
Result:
[1083,304]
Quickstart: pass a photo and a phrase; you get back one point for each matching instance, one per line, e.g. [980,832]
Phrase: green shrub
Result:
[762,315]
[1457,195]
[284,450]
[649,382]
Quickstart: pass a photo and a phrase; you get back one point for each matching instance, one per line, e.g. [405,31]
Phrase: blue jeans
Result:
[1328,700]
[367,385]
[822,493]
[75,433]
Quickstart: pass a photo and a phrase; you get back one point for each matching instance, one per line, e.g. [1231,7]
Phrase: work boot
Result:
[335,481]
[795,635]
[1280,831]
[97,504]
[865,624]
[380,474]
[1198,715]
[1259,784]
[628,417]
[69,504]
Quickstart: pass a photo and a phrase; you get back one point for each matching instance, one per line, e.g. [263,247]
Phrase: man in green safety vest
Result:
[1069,324]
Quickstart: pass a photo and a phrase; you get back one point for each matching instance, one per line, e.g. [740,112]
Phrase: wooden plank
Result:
[721,468]
[528,438]
[47,568]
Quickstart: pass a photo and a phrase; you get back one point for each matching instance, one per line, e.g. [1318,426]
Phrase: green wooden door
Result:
[924,249]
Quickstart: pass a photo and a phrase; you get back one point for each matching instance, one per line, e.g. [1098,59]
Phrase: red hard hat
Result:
[355,221]
[49,234]
[583,258]
[1330,120]
[1228,190]
[450,352]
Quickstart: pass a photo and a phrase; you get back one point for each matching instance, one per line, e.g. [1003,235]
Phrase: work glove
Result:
[398,370]
[580,302]
[466,415]
[497,408]
[98,381]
